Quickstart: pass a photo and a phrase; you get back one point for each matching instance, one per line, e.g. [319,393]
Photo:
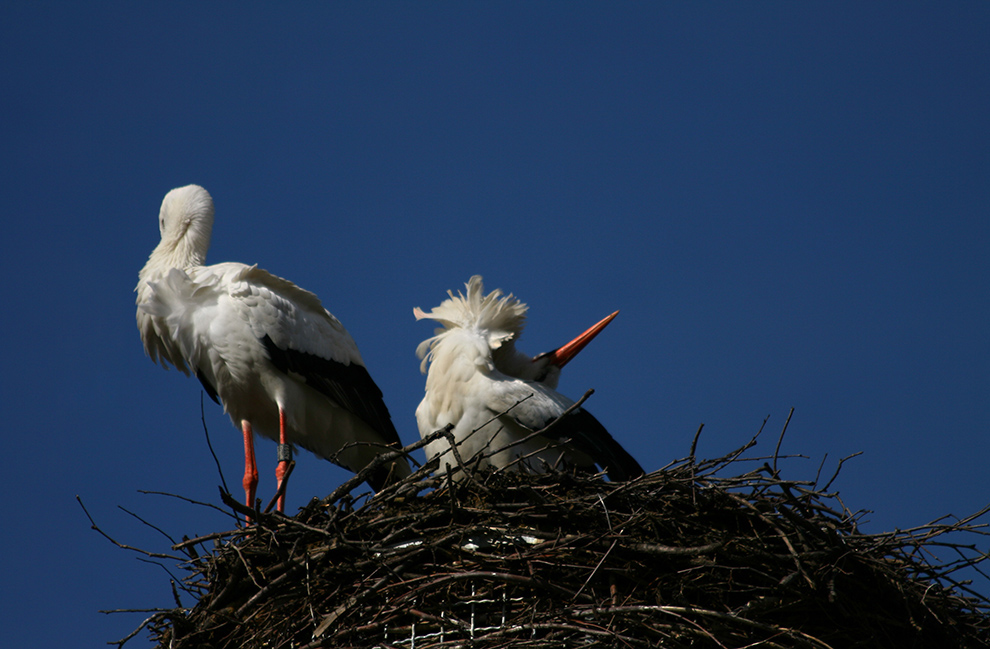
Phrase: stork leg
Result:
[250,465]
[284,457]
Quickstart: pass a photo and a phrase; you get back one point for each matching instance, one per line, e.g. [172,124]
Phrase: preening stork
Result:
[280,363]
[496,397]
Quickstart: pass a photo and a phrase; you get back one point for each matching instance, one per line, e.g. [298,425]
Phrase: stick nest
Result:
[678,558]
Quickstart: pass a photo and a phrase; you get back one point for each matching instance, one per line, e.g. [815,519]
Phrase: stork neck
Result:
[180,253]
[456,357]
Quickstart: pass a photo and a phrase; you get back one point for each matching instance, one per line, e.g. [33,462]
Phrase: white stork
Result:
[496,397]
[280,363]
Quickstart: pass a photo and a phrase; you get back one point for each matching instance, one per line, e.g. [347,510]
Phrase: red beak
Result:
[563,355]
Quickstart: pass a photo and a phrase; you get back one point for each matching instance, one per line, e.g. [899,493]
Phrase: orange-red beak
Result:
[563,355]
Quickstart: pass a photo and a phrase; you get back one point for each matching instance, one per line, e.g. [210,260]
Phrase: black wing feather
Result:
[584,432]
[350,386]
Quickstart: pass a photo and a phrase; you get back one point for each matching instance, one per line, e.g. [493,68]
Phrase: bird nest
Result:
[681,557]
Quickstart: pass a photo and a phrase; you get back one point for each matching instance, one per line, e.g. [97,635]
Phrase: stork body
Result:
[496,397]
[281,364]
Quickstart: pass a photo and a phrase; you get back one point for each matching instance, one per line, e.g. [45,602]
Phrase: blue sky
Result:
[788,202]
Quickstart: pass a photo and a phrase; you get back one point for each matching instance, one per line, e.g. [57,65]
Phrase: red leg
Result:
[250,466]
[284,455]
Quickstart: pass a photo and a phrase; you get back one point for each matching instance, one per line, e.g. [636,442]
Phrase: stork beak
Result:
[563,355]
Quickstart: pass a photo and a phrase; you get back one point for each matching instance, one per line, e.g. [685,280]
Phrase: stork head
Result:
[497,319]
[186,223]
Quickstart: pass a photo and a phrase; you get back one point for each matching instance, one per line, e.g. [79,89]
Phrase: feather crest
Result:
[495,317]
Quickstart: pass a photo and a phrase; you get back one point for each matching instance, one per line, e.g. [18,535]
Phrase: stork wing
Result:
[158,342]
[534,406]
[349,386]
[303,338]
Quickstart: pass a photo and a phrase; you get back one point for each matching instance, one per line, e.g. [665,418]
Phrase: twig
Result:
[185,499]
[379,460]
[599,565]
[186,543]
[145,623]
[694,442]
[206,431]
[94,526]
[543,431]
[839,468]
[653,548]
[154,527]
[776,451]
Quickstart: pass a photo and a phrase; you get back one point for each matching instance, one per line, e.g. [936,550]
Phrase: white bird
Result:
[280,363]
[496,397]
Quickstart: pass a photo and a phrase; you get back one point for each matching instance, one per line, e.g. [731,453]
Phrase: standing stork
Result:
[497,398]
[281,364]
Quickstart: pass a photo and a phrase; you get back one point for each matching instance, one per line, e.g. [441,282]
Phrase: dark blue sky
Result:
[788,202]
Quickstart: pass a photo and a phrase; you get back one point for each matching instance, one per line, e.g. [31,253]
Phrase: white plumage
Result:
[280,363]
[475,374]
